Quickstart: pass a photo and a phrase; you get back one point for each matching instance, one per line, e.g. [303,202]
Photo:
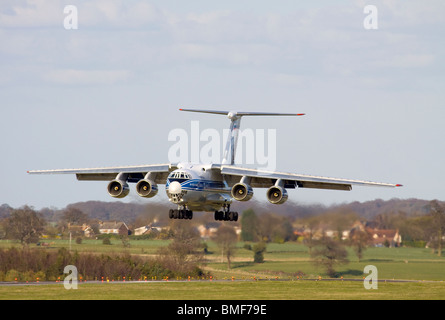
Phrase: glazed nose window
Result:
[179,176]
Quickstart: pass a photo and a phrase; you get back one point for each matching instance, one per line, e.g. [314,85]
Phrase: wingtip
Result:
[399,185]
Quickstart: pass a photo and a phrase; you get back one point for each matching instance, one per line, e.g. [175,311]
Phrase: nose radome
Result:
[175,187]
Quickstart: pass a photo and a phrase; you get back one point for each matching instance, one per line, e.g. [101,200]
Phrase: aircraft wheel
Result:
[219,215]
[233,216]
[226,216]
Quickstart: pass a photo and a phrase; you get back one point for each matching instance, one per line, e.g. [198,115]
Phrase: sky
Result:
[107,91]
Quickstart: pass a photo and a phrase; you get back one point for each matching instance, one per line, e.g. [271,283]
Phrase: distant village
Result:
[391,223]
[378,237]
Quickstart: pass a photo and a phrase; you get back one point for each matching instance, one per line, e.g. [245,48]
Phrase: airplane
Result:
[209,187]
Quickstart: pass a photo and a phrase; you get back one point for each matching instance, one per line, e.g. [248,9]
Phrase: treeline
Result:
[132,212]
[412,218]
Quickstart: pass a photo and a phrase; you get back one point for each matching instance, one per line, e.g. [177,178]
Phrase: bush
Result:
[40,276]
[258,252]
[415,243]
[30,264]
[12,275]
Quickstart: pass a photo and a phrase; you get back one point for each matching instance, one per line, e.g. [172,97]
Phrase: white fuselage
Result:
[198,187]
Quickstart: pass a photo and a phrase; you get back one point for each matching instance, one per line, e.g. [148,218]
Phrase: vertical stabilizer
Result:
[235,118]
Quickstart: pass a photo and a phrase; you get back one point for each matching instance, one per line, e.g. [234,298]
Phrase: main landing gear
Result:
[226,215]
[180,214]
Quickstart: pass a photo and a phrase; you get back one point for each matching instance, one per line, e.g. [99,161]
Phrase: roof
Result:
[112,225]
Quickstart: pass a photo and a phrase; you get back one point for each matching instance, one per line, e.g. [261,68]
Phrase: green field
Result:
[288,261]
[228,290]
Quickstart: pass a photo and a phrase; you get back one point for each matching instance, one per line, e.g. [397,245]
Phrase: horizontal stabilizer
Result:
[242,113]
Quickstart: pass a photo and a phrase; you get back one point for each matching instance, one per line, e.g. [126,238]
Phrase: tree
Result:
[340,220]
[275,228]
[74,216]
[182,254]
[249,226]
[258,252]
[311,226]
[25,225]
[359,241]
[437,212]
[328,254]
[226,239]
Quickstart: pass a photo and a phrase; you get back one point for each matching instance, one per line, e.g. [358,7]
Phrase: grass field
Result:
[228,290]
[288,261]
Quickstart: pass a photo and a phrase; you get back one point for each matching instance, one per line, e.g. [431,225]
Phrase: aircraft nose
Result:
[174,187]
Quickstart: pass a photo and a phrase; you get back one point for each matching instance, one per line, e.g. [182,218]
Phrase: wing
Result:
[135,173]
[266,179]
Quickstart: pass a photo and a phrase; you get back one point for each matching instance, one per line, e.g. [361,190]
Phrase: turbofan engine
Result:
[118,189]
[277,195]
[146,188]
[242,192]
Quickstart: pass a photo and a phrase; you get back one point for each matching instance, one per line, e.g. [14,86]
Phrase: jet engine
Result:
[118,189]
[242,192]
[277,195]
[146,188]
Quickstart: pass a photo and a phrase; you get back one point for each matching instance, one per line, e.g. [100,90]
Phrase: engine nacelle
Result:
[118,189]
[146,188]
[242,192]
[277,195]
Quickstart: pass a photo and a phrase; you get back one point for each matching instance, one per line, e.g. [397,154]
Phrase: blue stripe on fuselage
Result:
[198,184]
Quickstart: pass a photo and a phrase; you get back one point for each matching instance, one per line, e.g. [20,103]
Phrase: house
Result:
[142,230]
[381,237]
[155,226]
[83,230]
[378,237]
[208,230]
[113,227]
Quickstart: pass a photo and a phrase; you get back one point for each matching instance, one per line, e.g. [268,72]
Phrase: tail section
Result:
[235,117]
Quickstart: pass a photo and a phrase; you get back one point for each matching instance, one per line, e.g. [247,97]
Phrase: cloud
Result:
[145,37]
[32,13]
[407,61]
[100,13]
[86,77]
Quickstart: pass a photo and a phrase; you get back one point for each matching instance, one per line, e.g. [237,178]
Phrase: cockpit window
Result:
[179,175]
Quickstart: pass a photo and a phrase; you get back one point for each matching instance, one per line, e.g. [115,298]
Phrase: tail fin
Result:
[235,117]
